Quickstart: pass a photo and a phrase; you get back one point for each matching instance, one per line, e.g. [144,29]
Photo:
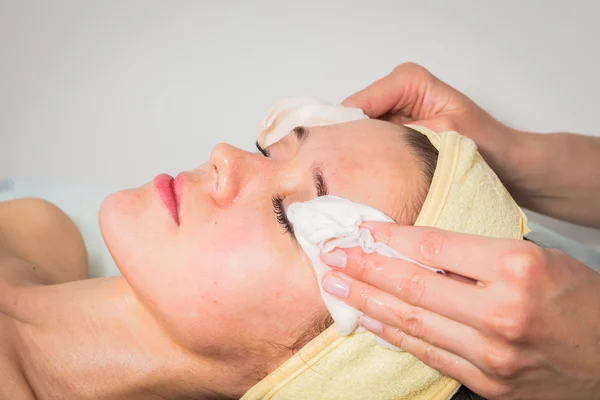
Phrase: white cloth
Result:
[302,111]
[327,222]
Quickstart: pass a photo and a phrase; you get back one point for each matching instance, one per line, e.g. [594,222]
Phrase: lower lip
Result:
[163,184]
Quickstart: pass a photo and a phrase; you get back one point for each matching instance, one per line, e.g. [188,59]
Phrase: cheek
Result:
[210,276]
[254,280]
[244,254]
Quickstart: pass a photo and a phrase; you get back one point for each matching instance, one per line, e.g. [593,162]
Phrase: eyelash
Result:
[260,148]
[280,213]
[277,202]
[320,183]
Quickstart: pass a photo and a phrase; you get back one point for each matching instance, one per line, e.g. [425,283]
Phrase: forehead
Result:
[368,162]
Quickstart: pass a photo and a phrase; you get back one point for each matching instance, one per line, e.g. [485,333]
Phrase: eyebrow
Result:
[301,133]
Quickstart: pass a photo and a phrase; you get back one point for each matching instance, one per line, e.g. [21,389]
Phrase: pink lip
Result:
[163,184]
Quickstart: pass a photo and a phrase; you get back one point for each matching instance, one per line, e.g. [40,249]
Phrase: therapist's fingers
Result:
[460,301]
[398,92]
[419,323]
[471,256]
[446,362]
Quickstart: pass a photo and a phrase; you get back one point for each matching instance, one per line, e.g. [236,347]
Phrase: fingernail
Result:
[336,258]
[371,324]
[336,286]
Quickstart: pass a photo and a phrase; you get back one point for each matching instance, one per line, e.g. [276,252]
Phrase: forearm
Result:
[559,176]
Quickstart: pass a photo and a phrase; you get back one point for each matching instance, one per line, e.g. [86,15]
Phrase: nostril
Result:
[227,164]
[216,173]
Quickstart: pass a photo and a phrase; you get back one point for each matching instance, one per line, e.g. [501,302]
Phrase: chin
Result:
[119,218]
[113,209]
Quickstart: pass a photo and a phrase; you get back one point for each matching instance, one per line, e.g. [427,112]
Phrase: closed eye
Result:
[319,182]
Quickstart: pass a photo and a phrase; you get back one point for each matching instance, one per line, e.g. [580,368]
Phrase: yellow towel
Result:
[465,196]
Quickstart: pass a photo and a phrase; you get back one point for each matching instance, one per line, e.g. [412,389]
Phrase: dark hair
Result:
[424,150]
[427,155]
[464,393]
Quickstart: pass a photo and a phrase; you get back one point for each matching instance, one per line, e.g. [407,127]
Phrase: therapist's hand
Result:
[411,94]
[524,325]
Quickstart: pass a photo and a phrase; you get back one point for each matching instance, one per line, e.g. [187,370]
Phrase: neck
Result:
[94,339]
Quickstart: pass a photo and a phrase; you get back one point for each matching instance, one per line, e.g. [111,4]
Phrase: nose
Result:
[227,163]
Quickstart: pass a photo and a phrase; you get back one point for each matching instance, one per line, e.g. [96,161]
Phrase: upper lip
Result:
[180,186]
[178,191]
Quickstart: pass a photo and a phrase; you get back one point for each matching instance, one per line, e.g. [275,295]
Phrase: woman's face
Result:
[228,277]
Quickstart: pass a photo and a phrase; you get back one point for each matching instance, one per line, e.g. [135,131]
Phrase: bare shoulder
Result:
[14,384]
[36,235]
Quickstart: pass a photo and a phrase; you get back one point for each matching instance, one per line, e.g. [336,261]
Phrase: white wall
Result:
[117,91]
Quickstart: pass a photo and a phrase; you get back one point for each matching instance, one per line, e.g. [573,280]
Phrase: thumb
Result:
[376,99]
[397,92]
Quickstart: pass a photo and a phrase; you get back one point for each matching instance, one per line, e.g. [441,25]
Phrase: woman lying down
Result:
[217,298]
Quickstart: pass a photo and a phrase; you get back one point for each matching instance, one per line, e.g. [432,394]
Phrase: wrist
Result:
[525,175]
